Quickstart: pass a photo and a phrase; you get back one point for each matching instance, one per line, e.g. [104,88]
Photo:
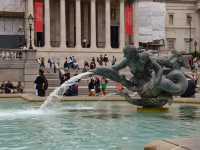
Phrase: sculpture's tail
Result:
[174,83]
[146,102]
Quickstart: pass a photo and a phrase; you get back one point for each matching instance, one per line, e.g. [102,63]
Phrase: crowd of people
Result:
[9,88]
[101,61]
[96,86]
[71,63]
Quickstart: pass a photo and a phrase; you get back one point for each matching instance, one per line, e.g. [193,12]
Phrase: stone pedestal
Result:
[30,71]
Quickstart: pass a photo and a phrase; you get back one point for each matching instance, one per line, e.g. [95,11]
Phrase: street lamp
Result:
[30,21]
[190,31]
[195,48]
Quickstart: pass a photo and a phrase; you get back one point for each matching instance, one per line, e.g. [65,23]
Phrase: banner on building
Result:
[151,21]
[129,19]
[39,16]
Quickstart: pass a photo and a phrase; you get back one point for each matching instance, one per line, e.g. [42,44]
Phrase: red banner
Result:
[39,16]
[129,19]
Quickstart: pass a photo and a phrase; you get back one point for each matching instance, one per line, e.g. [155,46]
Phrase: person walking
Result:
[42,64]
[50,63]
[66,64]
[41,84]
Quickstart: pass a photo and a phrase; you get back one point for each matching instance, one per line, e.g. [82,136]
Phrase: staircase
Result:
[53,81]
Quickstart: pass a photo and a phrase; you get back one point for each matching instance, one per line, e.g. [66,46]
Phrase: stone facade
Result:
[178,28]
[69,24]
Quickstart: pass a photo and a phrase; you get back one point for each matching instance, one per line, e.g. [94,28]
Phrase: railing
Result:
[12,54]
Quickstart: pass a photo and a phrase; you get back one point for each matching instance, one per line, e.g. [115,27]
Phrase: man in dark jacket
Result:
[41,84]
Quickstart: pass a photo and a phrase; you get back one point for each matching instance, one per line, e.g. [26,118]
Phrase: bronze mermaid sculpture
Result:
[156,80]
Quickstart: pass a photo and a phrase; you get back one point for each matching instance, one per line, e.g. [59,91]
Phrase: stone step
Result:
[83,90]
[52,77]
[84,82]
[53,82]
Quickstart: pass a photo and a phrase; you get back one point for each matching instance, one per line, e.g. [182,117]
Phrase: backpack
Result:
[45,84]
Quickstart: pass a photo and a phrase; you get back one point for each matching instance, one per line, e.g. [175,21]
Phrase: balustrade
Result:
[12,54]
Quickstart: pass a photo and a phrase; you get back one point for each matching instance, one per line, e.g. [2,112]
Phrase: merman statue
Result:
[156,80]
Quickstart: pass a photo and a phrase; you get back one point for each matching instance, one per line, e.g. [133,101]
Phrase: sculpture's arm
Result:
[158,72]
[121,65]
[156,66]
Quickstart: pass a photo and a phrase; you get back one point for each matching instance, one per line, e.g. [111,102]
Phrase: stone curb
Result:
[33,98]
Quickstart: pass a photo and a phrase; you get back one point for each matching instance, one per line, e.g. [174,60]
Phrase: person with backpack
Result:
[41,84]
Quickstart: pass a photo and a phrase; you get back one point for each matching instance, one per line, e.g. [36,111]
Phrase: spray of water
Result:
[56,95]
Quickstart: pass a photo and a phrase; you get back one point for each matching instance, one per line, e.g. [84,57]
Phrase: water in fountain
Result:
[56,95]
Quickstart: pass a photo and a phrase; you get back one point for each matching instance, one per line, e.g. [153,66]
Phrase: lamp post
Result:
[30,21]
[190,32]
[195,48]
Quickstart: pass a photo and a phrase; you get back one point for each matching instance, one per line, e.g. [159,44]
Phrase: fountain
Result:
[54,97]
[85,126]
[156,80]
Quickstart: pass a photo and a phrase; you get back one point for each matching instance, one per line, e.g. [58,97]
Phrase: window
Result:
[171,43]
[188,19]
[171,19]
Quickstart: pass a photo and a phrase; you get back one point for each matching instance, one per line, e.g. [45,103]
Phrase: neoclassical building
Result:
[83,28]
[183,23]
[86,28]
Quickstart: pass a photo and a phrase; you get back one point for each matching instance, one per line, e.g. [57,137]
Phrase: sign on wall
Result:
[11,26]
[12,5]
[151,21]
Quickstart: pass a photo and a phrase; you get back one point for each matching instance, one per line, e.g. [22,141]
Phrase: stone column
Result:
[93,23]
[107,16]
[47,23]
[78,23]
[62,24]
[197,29]
[135,24]
[122,25]
[30,6]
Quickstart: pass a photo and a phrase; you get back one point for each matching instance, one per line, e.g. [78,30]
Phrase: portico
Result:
[80,25]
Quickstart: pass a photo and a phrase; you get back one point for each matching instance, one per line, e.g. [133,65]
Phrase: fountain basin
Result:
[90,125]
